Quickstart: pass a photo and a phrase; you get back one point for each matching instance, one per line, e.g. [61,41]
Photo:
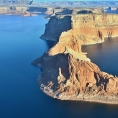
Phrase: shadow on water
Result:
[104,55]
[50,44]
[101,55]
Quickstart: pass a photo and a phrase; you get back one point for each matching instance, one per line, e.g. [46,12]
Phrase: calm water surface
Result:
[105,55]
[20,96]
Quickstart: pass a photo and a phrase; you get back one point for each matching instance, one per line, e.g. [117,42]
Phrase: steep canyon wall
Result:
[89,28]
[67,72]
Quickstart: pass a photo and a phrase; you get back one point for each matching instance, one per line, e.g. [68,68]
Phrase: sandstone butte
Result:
[67,72]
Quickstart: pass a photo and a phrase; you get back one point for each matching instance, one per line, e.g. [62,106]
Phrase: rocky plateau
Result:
[67,73]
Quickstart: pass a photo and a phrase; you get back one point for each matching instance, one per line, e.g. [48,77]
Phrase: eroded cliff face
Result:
[89,28]
[68,78]
[56,26]
[67,72]
[94,28]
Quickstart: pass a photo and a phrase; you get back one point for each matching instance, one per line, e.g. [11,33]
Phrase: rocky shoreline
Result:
[65,89]
[81,97]
[67,72]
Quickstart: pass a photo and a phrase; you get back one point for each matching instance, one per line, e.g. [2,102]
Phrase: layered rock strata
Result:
[67,72]
[89,28]
[68,78]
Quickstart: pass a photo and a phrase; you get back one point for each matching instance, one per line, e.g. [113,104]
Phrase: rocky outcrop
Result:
[16,10]
[82,26]
[67,72]
[66,77]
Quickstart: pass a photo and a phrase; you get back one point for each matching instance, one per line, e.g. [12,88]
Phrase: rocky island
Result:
[67,72]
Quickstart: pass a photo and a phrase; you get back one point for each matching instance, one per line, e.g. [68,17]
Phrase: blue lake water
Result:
[105,55]
[20,96]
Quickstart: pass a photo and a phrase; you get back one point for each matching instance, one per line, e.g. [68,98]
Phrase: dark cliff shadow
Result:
[37,9]
[50,44]
[55,26]
[66,11]
[84,12]
[53,67]
[100,81]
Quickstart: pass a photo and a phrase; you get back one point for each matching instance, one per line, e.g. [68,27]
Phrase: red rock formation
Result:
[67,78]
[68,74]
[89,28]
[94,28]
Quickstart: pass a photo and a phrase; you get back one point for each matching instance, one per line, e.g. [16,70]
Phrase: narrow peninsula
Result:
[68,74]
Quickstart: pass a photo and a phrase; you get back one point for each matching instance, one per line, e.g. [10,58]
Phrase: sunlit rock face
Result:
[89,28]
[67,72]
[68,78]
